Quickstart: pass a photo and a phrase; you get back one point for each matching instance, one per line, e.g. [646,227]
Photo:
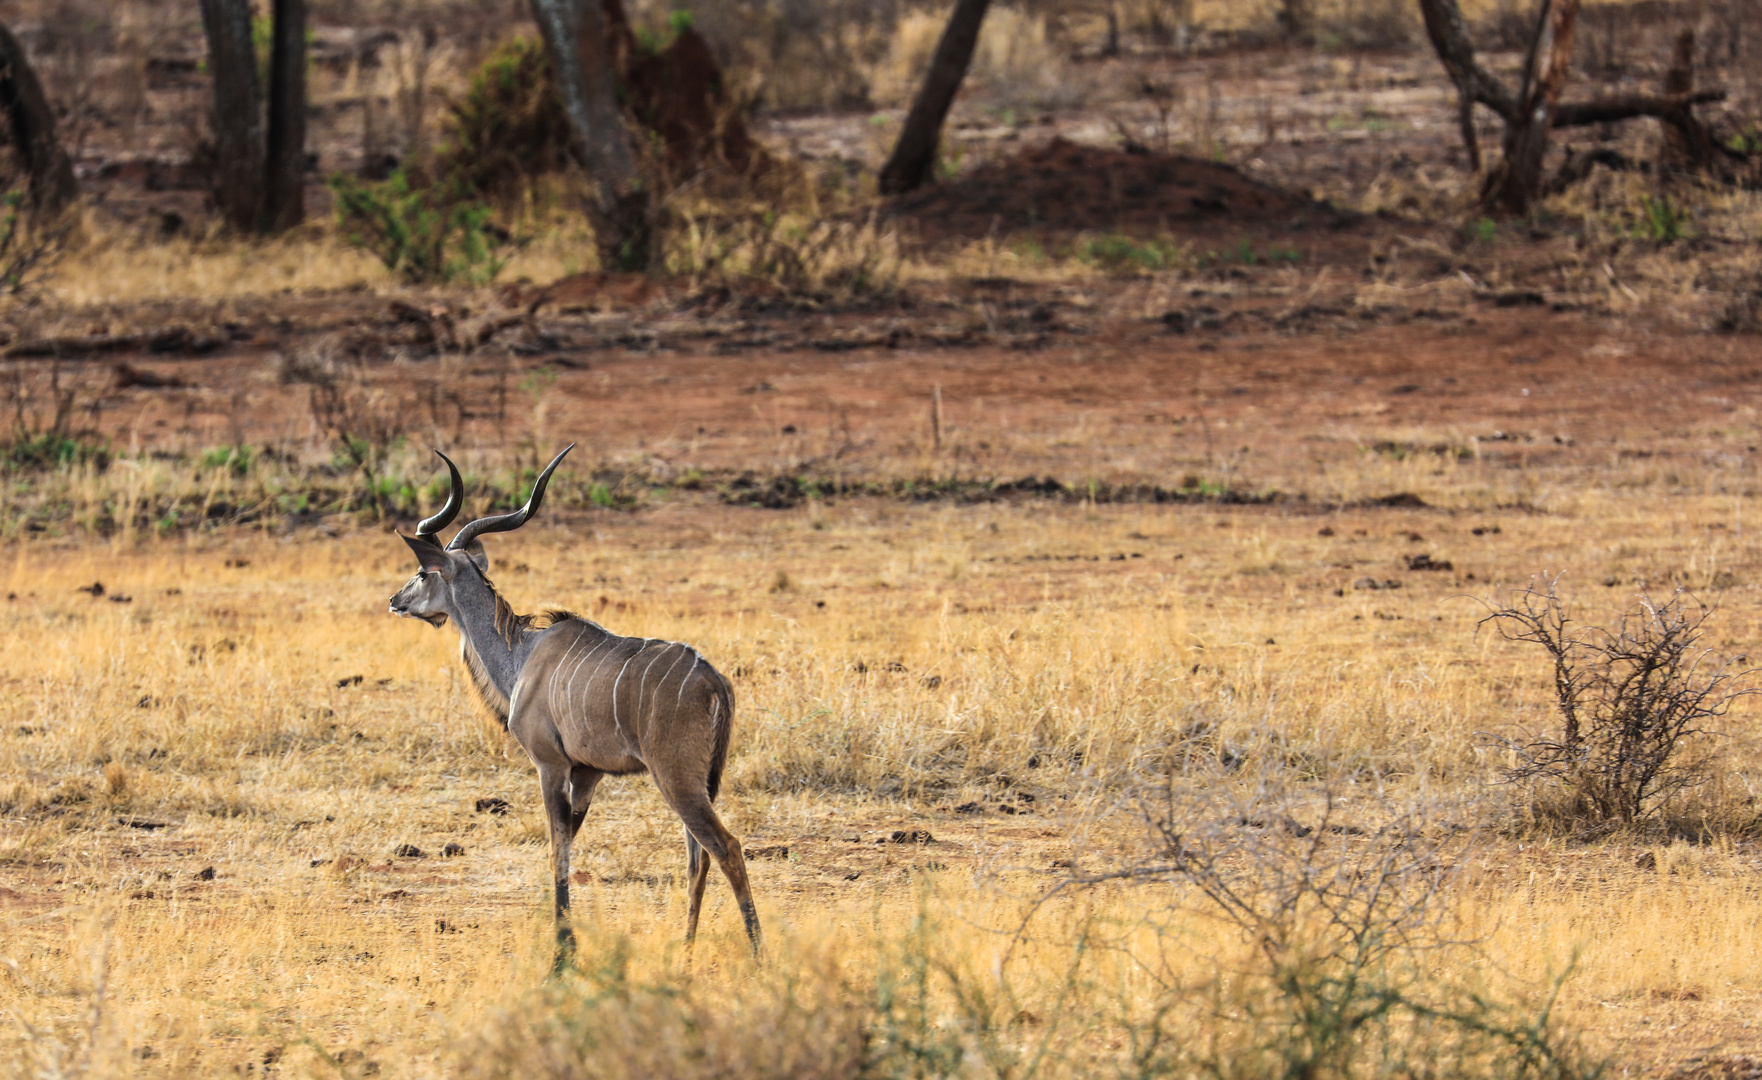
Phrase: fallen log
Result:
[172,340]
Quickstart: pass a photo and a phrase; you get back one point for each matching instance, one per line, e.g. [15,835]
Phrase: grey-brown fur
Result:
[584,702]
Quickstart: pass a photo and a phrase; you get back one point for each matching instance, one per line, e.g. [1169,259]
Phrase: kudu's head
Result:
[445,574]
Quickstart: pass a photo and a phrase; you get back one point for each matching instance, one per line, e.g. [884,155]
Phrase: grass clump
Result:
[789,254]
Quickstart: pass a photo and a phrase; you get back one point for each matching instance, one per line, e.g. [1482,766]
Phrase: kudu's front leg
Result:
[553,783]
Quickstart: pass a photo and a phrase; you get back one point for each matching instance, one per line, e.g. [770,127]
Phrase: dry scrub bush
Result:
[1240,944]
[1635,703]
[365,419]
[52,425]
[1348,955]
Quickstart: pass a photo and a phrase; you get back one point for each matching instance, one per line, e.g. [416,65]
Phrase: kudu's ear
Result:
[474,551]
[431,556]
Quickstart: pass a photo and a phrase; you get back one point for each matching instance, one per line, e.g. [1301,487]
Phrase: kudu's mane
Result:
[509,627]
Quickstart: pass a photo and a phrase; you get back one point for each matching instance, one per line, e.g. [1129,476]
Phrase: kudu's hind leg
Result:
[699,816]
[697,872]
[582,782]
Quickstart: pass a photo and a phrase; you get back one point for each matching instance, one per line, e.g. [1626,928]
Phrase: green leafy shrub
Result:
[509,128]
[423,232]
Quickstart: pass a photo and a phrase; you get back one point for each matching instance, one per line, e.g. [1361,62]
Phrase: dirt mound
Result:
[678,93]
[510,127]
[1062,187]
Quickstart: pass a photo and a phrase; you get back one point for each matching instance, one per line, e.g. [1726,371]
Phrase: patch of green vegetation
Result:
[1401,451]
[1117,252]
[234,459]
[1031,251]
[1244,254]
[1662,220]
[53,449]
[950,160]
[424,233]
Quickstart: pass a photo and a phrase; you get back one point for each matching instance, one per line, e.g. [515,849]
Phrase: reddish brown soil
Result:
[1125,382]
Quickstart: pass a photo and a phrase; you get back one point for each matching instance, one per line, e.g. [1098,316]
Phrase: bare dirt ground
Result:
[1122,382]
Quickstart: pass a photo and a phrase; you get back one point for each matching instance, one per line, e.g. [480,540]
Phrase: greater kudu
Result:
[582,701]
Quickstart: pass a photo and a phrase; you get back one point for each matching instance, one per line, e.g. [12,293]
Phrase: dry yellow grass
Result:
[892,662]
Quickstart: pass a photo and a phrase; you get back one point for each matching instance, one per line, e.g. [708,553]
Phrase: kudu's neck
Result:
[496,642]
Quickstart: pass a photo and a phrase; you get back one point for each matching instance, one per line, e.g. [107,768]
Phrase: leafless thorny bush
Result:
[47,427]
[1346,928]
[30,250]
[1635,701]
[365,420]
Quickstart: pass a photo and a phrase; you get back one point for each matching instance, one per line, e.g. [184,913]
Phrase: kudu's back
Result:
[626,705]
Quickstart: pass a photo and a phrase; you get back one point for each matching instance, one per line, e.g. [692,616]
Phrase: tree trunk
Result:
[1449,33]
[1518,180]
[913,162]
[238,112]
[32,124]
[575,36]
[284,199]
[1295,19]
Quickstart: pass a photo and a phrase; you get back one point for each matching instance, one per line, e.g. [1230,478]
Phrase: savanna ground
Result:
[1102,602]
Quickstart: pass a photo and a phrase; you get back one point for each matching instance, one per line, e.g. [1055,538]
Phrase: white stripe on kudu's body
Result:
[527,674]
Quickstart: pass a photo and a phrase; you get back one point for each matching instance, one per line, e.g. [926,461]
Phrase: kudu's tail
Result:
[722,719]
